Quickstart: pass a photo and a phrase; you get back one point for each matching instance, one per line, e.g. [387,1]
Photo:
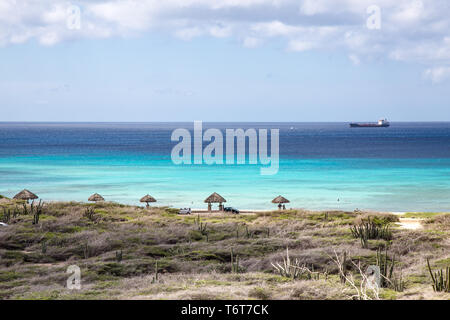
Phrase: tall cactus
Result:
[343,275]
[441,279]
[369,229]
[119,256]
[156,276]
[388,278]
[234,262]
[44,247]
[36,211]
[201,226]
[6,215]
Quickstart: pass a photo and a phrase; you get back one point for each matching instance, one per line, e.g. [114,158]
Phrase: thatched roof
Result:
[215,198]
[96,197]
[25,195]
[147,198]
[280,199]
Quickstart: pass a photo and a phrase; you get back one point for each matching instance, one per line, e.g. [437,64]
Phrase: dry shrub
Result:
[316,290]
[260,293]
[441,222]
[414,241]
[378,217]
[277,213]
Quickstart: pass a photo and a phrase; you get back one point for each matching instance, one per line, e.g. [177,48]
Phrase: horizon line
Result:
[206,121]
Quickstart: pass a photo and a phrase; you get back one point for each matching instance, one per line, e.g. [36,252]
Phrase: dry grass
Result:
[191,265]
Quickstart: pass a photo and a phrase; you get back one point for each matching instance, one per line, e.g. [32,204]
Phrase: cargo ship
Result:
[383,123]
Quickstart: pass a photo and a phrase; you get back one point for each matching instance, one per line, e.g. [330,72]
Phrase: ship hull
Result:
[369,125]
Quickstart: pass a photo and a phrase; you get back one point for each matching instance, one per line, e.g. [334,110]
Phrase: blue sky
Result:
[232,61]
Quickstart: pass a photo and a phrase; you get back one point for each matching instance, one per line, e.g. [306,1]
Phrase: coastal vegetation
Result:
[131,252]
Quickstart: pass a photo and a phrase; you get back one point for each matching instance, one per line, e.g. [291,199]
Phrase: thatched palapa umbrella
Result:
[96,197]
[25,195]
[215,198]
[147,198]
[280,200]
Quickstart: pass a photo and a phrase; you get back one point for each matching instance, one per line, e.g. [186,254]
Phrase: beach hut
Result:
[215,198]
[25,195]
[280,201]
[147,198]
[96,197]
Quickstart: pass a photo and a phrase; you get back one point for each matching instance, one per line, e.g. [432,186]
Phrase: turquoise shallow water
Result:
[326,166]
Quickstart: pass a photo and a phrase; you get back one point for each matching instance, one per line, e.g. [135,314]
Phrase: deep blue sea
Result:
[322,165]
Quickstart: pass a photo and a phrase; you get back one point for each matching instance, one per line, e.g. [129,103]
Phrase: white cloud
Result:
[412,30]
[129,14]
[410,12]
[220,31]
[354,59]
[251,42]
[49,39]
[56,15]
[275,29]
[312,7]
[437,74]
[188,33]
[299,45]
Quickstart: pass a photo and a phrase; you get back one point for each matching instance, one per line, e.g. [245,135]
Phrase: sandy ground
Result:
[408,223]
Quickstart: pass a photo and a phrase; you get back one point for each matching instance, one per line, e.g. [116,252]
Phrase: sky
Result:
[224,60]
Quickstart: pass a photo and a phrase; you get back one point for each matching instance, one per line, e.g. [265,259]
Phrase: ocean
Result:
[322,166]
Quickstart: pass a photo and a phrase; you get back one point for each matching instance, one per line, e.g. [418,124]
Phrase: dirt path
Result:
[410,224]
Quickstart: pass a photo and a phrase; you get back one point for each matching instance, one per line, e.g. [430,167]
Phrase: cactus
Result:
[369,229]
[388,278]
[156,276]
[289,270]
[25,209]
[44,247]
[234,262]
[36,211]
[398,283]
[249,234]
[119,256]
[89,213]
[343,275]
[86,250]
[200,226]
[12,213]
[6,215]
[386,267]
[16,212]
[441,279]
[294,270]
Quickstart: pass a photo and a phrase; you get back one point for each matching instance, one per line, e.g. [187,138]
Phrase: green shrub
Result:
[171,210]
[195,235]
[372,229]
[259,293]
[440,278]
